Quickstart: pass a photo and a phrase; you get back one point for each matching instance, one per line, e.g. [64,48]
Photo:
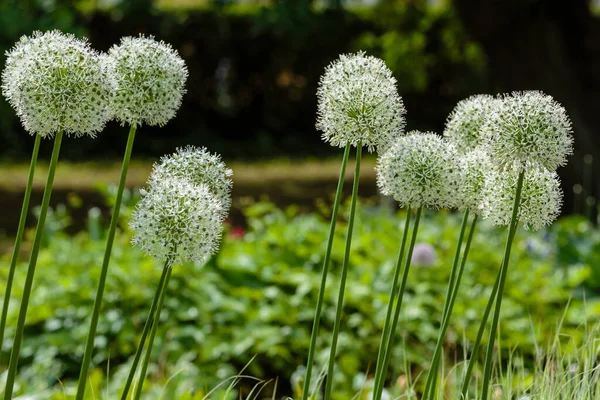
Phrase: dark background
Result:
[254,67]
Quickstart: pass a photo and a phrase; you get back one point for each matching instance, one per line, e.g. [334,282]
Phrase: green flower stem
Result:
[388,317]
[487,373]
[451,282]
[477,343]
[318,310]
[147,325]
[161,300]
[399,296]
[39,232]
[114,221]
[340,304]
[453,286]
[19,238]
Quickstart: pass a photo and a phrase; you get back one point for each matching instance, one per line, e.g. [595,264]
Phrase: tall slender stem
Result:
[477,343]
[433,372]
[37,240]
[388,317]
[318,310]
[147,325]
[340,304]
[114,221]
[487,373]
[161,300]
[399,297]
[19,238]
[433,368]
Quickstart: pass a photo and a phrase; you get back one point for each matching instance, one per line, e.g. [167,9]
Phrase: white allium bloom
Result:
[541,197]
[177,221]
[420,169]
[463,126]
[529,127]
[358,103]
[199,167]
[475,167]
[150,78]
[56,82]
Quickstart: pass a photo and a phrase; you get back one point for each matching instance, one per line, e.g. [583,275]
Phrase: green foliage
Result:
[257,296]
[254,69]
[423,44]
[579,243]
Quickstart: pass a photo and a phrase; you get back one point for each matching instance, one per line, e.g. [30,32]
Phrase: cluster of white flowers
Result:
[528,128]
[56,82]
[180,215]
[199,167]
[177,221]
[358,103]
[420,169]
[475,166]
[150,79]
[541,197]
[463,126]
[487,142]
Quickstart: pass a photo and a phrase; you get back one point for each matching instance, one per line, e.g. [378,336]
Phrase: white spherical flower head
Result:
[56,82]
[150,78]
[529,127]
[358,103]
[475,166]
[463,126]
[177,221]
[199,167]
[420,169]
[541,197]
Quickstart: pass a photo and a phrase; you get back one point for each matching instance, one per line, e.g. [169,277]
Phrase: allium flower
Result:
[474,166]
[423,255]
[529,127]
[358,103]
[199,167]
[463,126]
[150,78]
[177,221]
[55,82]
[541,197]
[420,169]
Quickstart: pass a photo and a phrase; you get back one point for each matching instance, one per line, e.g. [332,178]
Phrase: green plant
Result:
[237,306]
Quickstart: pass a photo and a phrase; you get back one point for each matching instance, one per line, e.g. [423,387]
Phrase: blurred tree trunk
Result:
[553,46]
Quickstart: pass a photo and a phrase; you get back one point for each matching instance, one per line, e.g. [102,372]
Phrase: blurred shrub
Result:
[256,299]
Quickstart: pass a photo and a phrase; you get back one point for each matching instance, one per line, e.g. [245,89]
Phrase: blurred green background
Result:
[254,67]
